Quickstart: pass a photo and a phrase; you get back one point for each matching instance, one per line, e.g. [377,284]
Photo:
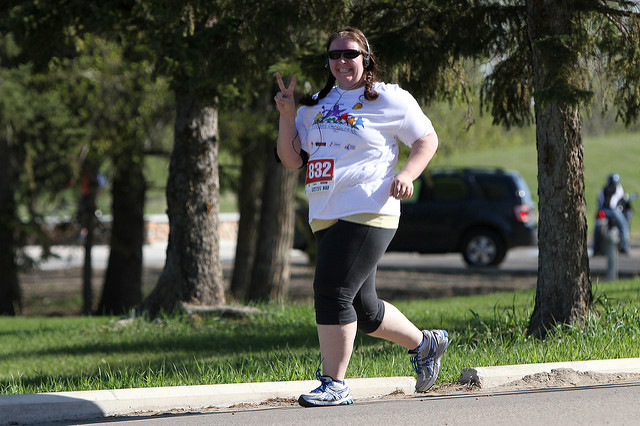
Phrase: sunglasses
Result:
[347,53]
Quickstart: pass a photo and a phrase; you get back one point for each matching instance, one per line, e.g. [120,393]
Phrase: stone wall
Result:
[156,227]
[66,231]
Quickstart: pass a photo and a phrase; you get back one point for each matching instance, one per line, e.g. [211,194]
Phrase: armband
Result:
[305,158]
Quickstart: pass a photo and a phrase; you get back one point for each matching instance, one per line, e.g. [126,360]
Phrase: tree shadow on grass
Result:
[213,339]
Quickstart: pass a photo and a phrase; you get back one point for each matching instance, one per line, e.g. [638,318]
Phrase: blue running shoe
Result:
[426,360]
[330,392]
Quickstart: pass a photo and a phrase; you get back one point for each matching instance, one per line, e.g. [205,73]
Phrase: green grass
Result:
[603,155]
[82,353]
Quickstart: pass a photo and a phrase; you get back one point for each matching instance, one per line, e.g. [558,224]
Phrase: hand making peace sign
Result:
[284,98]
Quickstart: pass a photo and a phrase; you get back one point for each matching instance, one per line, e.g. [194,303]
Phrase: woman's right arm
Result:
[288,139]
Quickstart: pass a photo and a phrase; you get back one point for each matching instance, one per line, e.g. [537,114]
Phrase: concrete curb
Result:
[84,405]
[490,377]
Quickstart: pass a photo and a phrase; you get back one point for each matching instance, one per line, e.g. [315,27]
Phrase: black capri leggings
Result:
[344,284]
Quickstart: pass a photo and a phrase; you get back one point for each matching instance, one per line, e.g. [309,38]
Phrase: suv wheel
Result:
[482,248]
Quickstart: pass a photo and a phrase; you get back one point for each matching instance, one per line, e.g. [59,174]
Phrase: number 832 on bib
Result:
[319,176]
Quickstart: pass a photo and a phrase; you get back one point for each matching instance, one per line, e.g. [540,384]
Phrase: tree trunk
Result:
[249,201]
[88,223]
[271,272]
[193,268]
[10,298]
[122,290]
[563,292]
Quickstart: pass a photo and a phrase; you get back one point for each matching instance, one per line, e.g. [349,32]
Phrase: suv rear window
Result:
[449,188]
[496,188]
[443,188]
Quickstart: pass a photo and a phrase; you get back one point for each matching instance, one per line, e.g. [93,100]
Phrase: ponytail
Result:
[369,93]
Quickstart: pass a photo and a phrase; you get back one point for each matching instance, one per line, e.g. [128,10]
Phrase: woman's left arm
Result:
[422,152]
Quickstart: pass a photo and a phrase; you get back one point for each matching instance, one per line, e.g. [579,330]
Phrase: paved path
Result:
[519,260]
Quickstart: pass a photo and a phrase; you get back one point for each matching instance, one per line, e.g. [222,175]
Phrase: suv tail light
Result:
[521,212]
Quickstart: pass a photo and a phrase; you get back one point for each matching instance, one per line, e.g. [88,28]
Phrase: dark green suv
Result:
[480,213]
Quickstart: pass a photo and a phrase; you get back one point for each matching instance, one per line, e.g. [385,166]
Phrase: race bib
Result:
[319,176]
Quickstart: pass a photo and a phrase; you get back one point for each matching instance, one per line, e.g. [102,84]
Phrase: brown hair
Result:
[371,69]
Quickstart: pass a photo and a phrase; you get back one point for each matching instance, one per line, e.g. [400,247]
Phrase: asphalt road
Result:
[589,405]
[518,260]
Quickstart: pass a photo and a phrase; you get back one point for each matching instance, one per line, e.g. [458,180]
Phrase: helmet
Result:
[613,179]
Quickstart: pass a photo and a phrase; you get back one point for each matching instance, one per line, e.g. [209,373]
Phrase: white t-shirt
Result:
[353,148]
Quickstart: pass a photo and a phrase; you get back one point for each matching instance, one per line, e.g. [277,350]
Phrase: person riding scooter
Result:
[612,200]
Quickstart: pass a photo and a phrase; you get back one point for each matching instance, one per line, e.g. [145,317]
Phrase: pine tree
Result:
[541,53]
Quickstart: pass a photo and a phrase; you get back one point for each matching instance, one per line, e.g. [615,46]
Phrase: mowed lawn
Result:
[83,353]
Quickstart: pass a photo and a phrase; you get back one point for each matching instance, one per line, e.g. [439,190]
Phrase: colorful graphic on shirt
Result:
[335,115]
[357,106]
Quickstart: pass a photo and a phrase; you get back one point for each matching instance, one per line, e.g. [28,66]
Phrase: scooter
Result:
[606,223]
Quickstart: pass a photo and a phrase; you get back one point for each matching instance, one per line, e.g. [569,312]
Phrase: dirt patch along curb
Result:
[492,377]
